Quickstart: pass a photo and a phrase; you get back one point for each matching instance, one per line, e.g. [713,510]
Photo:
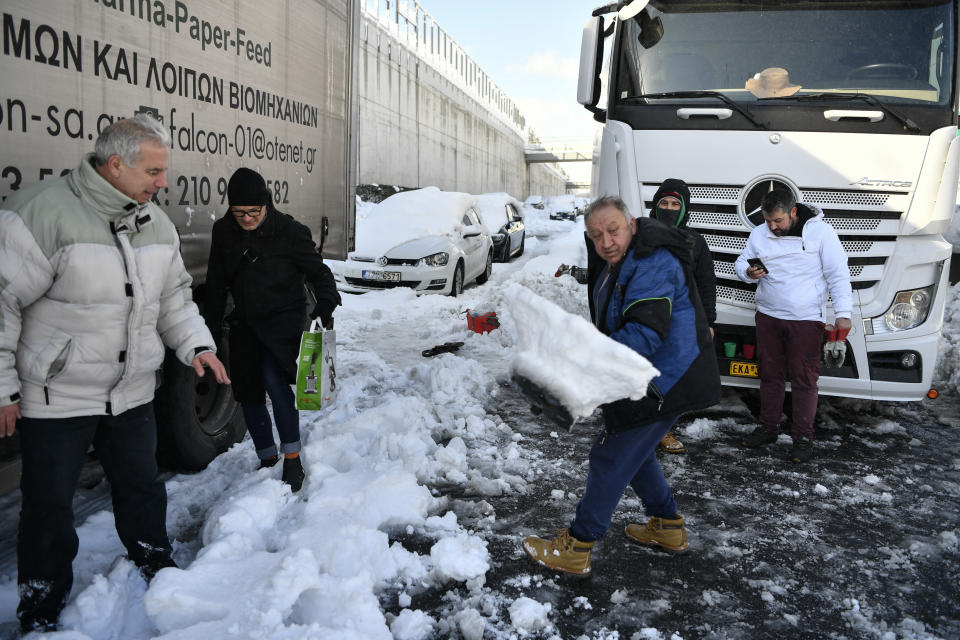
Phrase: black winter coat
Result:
[703,273]
[265,271]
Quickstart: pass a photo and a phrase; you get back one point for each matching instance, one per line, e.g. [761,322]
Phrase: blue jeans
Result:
[53,452]
[284,412]
[617,460]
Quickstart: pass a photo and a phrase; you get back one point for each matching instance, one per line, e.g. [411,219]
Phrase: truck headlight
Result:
[435,260]
[908,310]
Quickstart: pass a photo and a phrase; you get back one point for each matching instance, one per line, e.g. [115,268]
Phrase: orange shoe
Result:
[563,553]
[669,444]
[666,533]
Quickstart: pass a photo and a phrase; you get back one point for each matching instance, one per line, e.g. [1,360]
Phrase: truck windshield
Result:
[900,52]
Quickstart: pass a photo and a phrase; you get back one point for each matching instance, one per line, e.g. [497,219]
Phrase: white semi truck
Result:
[851,105]
[267,85]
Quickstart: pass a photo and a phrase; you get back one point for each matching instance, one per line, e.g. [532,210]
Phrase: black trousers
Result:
[53,451]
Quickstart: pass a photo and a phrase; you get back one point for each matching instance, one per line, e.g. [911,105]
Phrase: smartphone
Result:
[756,262]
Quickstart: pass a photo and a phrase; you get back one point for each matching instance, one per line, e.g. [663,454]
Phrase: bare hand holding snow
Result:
[566,355]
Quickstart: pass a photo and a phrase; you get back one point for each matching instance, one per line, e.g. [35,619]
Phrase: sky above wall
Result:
[531,49]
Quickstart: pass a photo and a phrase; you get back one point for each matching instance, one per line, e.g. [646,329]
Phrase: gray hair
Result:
[124,137]
[607,201]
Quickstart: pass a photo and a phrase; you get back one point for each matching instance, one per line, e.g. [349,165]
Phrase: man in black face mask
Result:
[671,206]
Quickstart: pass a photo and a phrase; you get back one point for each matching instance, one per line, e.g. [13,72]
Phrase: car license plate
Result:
[392,276]
[744,369]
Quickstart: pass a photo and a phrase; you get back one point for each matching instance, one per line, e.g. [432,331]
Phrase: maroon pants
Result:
[794,344]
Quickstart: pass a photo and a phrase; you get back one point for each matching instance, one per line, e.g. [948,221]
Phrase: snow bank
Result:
[947,374]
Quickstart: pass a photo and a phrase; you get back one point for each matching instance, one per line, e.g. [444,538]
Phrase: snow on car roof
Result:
[408,215]
[493,208]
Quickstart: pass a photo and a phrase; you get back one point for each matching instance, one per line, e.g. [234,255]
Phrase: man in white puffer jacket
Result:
[806,262]
[92,287]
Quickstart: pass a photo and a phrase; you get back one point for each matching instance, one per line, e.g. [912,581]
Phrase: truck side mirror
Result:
[591,61]
[651,29]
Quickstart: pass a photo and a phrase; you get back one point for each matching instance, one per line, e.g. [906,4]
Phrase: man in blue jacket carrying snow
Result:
[641,294]
[806,262]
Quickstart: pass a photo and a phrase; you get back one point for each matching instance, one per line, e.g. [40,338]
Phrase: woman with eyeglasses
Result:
[263,258]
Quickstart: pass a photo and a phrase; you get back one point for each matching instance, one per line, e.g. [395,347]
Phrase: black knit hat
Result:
[247,189]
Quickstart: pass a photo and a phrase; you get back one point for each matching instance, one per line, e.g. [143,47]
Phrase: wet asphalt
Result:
[861,542]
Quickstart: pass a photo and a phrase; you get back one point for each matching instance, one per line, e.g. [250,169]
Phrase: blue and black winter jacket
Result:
[655,310]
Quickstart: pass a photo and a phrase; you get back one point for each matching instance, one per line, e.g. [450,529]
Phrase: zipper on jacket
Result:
[56,368]
[657,394]
[125,248]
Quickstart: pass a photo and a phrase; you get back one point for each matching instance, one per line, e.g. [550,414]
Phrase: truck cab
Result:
[852,106]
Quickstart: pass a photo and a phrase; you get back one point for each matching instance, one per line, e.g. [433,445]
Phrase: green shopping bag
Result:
[316,370]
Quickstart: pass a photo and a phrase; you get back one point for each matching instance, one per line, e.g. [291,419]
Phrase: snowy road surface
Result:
[426,474]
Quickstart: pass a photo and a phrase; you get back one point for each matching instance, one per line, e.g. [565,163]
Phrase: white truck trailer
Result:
[267,85]
[851,105]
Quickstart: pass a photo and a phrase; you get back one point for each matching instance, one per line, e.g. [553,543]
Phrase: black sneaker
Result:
[293,473]
[30,622]
[266,463]
[802,450]
[759,437]
[150,569]
[152,560]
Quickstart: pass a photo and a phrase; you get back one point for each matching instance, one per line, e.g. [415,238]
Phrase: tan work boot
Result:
[563,553]
[667,533]
[669,444]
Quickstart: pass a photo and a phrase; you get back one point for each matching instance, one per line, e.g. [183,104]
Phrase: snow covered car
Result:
[429,240]
[537,202]
[502,214]
[562,207]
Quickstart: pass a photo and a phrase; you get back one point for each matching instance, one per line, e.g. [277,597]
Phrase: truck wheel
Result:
[197,418]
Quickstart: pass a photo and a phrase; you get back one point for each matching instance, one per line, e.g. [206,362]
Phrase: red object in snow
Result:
[482,322]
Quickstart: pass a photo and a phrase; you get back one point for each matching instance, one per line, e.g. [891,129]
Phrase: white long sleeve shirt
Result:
[801,271]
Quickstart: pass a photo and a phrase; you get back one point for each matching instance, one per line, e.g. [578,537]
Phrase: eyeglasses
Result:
[253,214]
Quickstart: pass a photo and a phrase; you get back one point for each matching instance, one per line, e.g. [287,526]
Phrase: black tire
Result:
[197,418]
[487,270]
[456,287]
[523,239]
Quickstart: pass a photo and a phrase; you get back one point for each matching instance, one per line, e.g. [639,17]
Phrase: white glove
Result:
[835,349]
[834,354]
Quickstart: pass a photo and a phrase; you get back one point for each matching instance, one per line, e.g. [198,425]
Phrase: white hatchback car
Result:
[429,240]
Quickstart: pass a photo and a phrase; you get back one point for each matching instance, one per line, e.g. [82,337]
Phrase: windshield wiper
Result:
[697,94]
[907,123]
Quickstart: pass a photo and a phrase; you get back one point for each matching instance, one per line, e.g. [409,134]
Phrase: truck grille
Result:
[866,222]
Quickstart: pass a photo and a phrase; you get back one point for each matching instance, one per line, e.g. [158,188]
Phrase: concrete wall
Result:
[418,128]
[545,180]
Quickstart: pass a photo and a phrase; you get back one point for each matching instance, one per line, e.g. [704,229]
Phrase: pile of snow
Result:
[568,356]
[363,208]
[529,616]
[409,215]
[952,235]
[947,374]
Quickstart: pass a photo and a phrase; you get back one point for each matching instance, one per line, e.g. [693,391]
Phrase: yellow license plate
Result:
[745,369]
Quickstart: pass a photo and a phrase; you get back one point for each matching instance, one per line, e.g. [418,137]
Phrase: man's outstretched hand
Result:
[211,361]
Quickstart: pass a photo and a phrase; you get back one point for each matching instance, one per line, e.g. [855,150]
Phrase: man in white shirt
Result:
[797,260]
